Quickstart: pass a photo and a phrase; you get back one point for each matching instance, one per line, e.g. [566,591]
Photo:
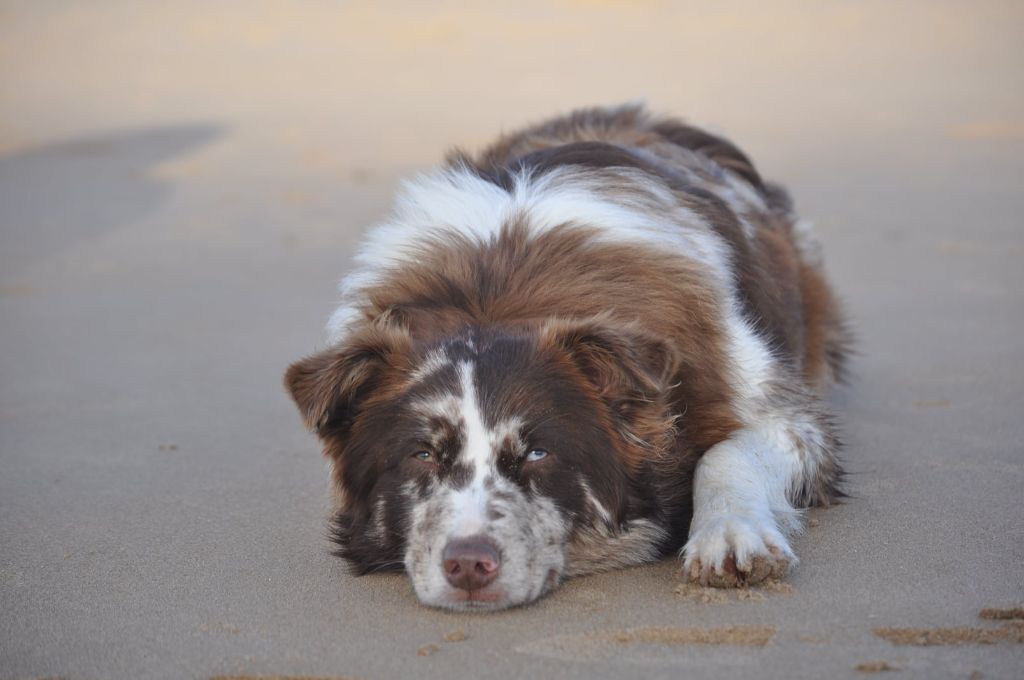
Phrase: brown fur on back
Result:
[784,292]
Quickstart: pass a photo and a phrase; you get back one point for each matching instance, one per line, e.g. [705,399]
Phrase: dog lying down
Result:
[602,340]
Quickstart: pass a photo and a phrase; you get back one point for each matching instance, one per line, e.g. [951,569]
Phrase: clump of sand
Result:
[274,677]
[932,637]
[457,635]
[875,667]
[707,595]
[753,636]
[746,594]
[1011,614]
[777,587]
[692,591]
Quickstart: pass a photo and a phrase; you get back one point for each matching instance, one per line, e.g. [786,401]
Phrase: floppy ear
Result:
[328,387]
[632,370]
[621,360]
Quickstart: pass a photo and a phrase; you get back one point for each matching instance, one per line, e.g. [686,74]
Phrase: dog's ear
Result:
[329,386]
[632,370]
[614,357]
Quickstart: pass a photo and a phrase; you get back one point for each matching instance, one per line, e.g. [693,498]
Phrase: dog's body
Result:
[602,340]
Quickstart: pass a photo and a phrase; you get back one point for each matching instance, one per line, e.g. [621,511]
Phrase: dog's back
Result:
[776,262]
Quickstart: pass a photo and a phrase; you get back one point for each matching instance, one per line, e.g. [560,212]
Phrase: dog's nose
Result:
[471,563]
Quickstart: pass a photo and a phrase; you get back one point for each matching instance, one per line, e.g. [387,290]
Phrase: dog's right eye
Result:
[423,456]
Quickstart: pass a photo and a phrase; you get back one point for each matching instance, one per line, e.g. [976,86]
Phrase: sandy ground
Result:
[181,184]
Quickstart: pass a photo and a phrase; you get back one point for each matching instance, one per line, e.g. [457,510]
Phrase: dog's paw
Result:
[734,550]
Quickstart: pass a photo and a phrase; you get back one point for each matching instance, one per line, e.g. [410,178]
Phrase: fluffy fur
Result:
[603,339]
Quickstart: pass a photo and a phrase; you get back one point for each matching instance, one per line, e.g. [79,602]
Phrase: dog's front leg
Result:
[742,510]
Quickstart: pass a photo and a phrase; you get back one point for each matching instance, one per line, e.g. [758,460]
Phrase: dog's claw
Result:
[731,552]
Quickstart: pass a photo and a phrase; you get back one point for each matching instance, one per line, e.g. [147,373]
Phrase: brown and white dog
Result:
[602,340]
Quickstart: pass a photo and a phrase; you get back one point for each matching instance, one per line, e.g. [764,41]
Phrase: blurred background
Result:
[285,102]
[350,89]
[182,183]
[282,108]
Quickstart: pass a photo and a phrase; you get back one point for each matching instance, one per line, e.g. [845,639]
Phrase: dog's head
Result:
[492,464]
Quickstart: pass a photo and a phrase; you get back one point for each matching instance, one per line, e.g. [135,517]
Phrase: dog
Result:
[603,340]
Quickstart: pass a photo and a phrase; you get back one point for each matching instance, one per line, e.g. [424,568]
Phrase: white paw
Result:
[736,550]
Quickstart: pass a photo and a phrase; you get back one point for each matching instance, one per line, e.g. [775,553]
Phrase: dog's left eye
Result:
[424,456]
[535,455]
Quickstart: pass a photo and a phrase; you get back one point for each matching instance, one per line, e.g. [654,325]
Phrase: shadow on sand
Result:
[59,195]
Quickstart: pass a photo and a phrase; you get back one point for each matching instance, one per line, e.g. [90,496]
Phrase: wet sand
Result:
[181,184]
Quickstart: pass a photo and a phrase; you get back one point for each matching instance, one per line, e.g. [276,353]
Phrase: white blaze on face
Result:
[470,503]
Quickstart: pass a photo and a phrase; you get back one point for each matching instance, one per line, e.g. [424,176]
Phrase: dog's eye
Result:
[424,456]
[535,455]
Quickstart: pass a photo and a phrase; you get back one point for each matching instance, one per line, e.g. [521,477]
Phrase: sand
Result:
[182,184]
[709,595]
[276,677]
[457,635]
[755,636]
[994,614]
[875,667]
[931,637]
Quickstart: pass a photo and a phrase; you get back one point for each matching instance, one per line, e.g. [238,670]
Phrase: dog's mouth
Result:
[479,600]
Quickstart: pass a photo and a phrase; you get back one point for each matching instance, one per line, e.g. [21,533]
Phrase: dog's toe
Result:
[731,552]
